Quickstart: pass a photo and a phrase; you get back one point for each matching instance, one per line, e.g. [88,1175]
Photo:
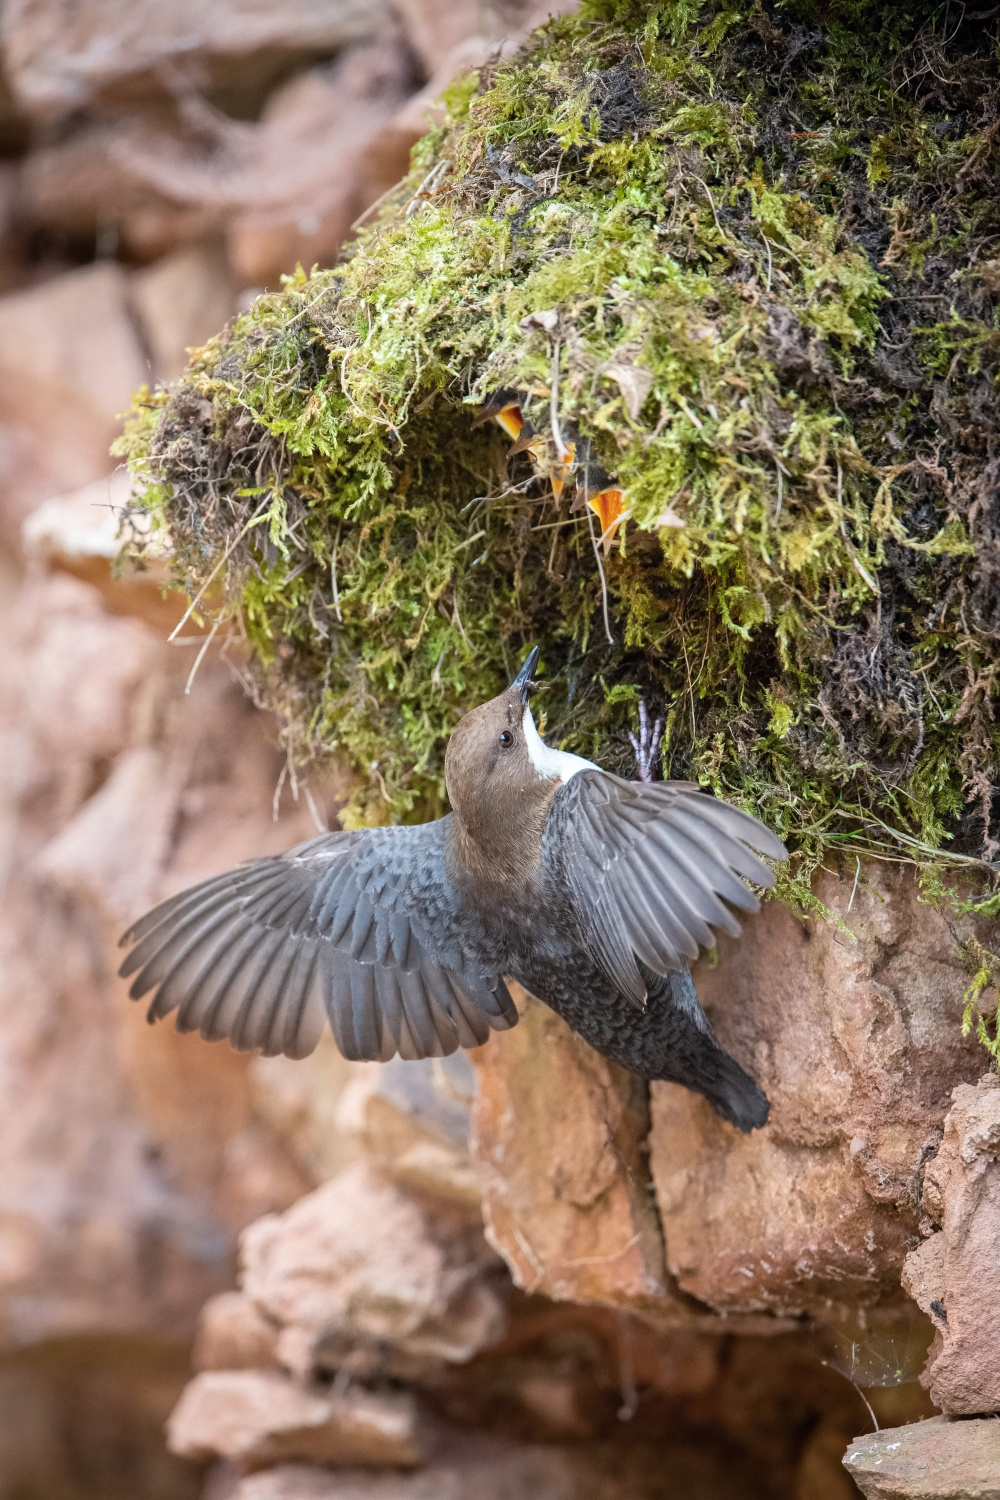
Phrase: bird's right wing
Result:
[650,869]
[359,928]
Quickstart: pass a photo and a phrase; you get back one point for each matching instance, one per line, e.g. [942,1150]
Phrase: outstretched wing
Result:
[357,927]
[651,869]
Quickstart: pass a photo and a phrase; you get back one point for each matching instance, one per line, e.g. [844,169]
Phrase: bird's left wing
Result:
[360,928]
[650,869]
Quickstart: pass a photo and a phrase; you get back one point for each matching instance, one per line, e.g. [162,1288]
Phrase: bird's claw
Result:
[646,743]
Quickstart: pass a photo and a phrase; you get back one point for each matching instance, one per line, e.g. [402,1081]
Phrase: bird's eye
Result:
[506,740]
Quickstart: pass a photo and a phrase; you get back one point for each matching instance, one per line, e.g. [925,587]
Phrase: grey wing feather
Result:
[652,869]
[357,929]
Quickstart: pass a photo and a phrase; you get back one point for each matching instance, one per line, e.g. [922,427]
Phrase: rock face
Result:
[935,1460]
[853,1036]
[558,1132]
[131,1157]
[955,1274]
[113,793]
[852,1033]
[361,1277]
[59,62]
[257,1419]
[70,358]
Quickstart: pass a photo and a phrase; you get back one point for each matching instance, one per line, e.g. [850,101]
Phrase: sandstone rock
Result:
[491,1470]
[57,61]
[939,1459]
[435,30]
[85,184]
[558,1133]
[300,1100]
[361,1277]
[257,1418]
[131,1156]
[955,1274]
[69,362]
[488,1467]
[855,1037]
[181,302]
[452,41]
[78,533]
[73,530]
[318,163]
[233,1334]
[412,1121]
[287,188]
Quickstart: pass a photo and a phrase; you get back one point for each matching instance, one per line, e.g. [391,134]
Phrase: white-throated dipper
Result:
[593,892]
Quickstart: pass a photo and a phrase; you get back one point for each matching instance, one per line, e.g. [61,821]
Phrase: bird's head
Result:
[500,774]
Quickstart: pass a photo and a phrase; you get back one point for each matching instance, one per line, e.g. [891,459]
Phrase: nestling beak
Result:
[609,506]
[526,677]
[510,419]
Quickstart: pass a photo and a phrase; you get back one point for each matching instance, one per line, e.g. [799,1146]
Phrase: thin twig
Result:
[224,558]
[562,452]
[867,1403]
[276,799]
[314,812]
[333,575]
[597,550]
[767,244]
[201,656]
[377,204]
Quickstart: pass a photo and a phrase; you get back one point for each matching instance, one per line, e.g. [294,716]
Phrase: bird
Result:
[592,891]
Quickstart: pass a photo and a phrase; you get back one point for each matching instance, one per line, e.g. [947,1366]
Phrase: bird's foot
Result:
[646,743]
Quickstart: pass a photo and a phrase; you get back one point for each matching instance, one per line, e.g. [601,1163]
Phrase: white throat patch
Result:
[552,765]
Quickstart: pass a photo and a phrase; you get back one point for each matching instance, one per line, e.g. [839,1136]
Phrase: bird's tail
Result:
[733,1094]
[703,1065]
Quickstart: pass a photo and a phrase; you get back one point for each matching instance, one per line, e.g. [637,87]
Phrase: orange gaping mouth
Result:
[561,472]
[510,419]
[608,507]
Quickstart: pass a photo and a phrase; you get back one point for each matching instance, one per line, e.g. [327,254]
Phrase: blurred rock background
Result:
[657,1306]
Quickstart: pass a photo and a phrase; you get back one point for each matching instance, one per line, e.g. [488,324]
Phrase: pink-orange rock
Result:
[256,1417]
[939,1459]
[855,1036]
[131,1156]
[318,163]
[411,1120]
[79,533]
[955,1274]
[58,59]
[360,1276]
[558,1134]
[233,1334]
[182,302]
[434,30]
[84,183]
[69,362]
[482,1467]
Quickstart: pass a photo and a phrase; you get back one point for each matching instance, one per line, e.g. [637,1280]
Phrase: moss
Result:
[765,238]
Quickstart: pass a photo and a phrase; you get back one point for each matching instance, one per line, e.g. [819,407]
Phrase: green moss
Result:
[770,234]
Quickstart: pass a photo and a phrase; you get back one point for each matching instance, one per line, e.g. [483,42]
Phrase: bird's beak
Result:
[526,676]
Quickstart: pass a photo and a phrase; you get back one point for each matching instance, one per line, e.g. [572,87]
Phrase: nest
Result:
[737,274]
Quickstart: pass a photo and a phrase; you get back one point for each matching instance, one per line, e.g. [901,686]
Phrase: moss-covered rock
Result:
[744,259]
